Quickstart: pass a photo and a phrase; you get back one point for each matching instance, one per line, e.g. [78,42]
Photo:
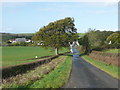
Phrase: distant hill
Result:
[7,36]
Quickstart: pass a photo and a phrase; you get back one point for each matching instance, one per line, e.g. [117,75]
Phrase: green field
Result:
[18,54]
[112,51]
[81,34]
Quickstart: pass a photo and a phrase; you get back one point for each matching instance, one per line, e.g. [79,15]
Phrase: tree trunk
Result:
[56,51]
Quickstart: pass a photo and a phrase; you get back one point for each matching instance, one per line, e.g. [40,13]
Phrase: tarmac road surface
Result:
[85,75]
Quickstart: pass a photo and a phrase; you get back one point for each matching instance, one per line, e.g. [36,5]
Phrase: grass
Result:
[110,69]
[56,78]
[81,34]
[42,76]
[18,54]
[112,51]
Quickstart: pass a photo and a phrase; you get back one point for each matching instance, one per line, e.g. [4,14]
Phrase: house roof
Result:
[20,39]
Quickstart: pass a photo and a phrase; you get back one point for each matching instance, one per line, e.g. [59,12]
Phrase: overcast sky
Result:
[29,17]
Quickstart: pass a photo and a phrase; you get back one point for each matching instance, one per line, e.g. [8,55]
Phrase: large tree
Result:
[84,41]
[95,40]
[57,34]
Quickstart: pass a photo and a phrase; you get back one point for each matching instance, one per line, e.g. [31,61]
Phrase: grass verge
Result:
[57,77]
[110,69]
[112,51]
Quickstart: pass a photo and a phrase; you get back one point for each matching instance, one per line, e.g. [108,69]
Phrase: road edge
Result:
[100,68]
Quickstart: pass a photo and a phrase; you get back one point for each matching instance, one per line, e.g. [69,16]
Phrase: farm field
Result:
[18,54]
[112,51]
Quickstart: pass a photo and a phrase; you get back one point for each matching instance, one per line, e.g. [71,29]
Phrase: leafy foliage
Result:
[96,40]
[85,43]
[57,34]
[115,40]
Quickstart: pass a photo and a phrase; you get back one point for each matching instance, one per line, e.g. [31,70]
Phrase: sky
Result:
[29,17]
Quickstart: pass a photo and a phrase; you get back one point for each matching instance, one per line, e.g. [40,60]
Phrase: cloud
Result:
[13,4]
[98,12]
[0,29]
[59,0]
[102,12]
[104,4]
[7,29]
[67,7]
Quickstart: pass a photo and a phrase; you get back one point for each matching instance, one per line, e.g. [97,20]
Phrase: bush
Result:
[115,40]
[20,44]
[23,44]
[98,49]
[15,44]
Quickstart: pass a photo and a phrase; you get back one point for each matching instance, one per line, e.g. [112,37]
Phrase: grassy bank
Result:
[18,54]
[55,73]
[110,69]
[56,78]
[112,51]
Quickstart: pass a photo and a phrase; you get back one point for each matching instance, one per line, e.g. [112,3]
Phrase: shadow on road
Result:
[82,54]
[74,54]
[69,54]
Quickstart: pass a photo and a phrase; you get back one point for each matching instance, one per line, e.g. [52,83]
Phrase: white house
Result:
[20,40]
[74,44]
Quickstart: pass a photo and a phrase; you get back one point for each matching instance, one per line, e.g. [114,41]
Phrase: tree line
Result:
[99,40]
[8,36]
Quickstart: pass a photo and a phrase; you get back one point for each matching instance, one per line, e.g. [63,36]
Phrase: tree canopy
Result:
[115,40]
[84,41]
[98,40]
[57,34]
